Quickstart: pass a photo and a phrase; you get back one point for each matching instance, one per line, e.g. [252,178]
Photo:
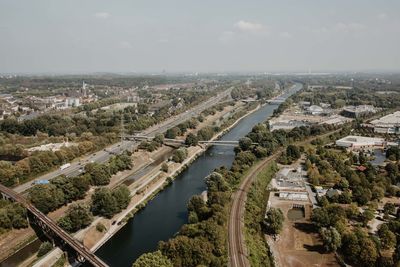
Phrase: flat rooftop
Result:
[359,140]
[393,118]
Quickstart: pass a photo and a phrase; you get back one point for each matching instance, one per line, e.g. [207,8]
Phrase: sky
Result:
[84,36]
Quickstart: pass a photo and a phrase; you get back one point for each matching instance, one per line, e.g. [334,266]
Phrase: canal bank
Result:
[167,212]
[162,183]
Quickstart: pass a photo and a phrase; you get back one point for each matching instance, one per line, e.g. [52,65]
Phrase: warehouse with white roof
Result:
[353,142]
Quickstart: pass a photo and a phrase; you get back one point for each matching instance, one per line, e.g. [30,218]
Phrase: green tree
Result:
[184,251]
[273,221]
[367,216]
[122,195]
[44,248]
[216,183]
[152,259]
[104,203]
[142,108]
[387,237]
[81,184]
[159,138]
[173,133]
[179,155]
[100,227]
[293,152]
[99,173]
[46,197]
[5,222]
[205,133]
[198,209]
[17,214]
[389,208]
[245,143]
[320,217]
[164,167]
[191,140]
[77,217]
[393,153]
[331,238]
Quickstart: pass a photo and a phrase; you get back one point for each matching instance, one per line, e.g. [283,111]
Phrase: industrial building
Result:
[357,111]
[353,142]
[389,124]
[285,124]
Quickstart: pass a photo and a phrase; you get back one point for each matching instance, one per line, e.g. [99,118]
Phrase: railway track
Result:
[73,243]
[237,246]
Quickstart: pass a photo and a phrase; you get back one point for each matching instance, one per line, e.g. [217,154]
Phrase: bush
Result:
[179,155]
[164,167]
[44,248]
[100,227]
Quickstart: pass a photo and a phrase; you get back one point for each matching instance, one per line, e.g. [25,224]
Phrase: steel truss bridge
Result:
[50,228]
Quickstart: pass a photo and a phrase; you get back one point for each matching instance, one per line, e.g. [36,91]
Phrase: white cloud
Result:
[125,44]
[242,28]
[163,40]
[285,35]
[251,27]
[321,30]
[102,15]
[227,36]
[349,27]
[382,16]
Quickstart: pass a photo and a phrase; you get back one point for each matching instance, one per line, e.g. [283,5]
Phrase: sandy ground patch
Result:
[298,245]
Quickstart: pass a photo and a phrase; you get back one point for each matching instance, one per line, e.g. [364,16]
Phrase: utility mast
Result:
[122,130]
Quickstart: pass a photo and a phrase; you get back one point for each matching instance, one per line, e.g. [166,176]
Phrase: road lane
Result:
[103,155]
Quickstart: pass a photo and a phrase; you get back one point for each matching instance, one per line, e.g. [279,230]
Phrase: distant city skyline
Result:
[180,36]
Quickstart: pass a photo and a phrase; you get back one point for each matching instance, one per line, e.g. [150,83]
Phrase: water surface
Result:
[167,212]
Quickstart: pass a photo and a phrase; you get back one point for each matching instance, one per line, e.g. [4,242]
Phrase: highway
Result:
[103,155]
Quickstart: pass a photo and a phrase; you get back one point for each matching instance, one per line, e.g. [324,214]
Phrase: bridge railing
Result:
[73,243]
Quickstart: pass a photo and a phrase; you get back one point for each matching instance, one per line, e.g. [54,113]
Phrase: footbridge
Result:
[179,141]
[276,100]
[83,254]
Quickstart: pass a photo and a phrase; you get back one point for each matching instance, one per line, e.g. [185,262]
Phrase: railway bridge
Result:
[49,227]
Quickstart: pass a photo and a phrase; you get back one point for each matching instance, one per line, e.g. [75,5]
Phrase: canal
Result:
[166,213]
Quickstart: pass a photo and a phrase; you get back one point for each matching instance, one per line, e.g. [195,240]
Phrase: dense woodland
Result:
[62,190]
[343,227]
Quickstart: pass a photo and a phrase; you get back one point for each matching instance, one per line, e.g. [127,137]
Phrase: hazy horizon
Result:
[177,36]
